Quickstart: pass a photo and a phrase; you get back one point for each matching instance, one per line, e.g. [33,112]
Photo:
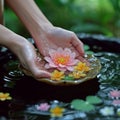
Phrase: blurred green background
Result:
[80,16]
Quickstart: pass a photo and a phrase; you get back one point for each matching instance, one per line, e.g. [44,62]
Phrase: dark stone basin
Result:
[27,91]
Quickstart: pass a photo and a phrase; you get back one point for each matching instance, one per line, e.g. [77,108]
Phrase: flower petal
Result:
[52,52]
[70,68]
[61,69]
[67,51]
[74,62]
[60,50]
[48,59]
[47,66]
[73,55]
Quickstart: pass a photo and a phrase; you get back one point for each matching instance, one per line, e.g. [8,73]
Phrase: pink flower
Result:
[61,59]
[116,102]
[115,93]
[43,106]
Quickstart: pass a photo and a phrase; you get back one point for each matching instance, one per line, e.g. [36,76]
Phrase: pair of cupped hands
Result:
[52,39]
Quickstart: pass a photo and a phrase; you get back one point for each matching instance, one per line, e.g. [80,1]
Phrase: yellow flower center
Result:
[61,59]
[57,111]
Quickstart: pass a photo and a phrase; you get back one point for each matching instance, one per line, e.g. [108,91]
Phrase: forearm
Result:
[6,36]
[30,15]
[10,39]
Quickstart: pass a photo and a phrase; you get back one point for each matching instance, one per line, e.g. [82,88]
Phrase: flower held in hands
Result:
[61,59]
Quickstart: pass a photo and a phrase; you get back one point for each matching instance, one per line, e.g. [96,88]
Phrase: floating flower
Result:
[82,67]
[61,59]
[107,111]
[115,93]
[118,111]
[5,96]
[43,107]
[57,111]
[77,74]
[116,102]
[57,75]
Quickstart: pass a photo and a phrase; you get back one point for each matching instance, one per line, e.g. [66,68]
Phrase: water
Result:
[27,92]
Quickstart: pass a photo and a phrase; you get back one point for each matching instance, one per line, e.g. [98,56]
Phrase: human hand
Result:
[46,35]
[26,53]
[24,50]
[58,37]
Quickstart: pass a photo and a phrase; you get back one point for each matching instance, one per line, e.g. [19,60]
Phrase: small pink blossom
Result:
[116,102]
[115,93]
[43,106]
[61,59]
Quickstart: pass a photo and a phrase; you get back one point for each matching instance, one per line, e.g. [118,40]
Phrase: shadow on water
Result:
[30,89]
[26,90]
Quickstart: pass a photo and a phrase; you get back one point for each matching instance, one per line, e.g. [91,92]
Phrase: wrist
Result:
[40,28]
[41,31]
[16,43]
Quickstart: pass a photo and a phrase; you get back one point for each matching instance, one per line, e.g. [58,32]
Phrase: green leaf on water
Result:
[86,47]
[68,78]
[82,105]
[93,99]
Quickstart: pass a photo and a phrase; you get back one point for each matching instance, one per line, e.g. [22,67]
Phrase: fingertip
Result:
[79,46]
[82,59]
[81,51]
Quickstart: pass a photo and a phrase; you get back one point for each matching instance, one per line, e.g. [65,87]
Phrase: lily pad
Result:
[82,105]
[93,99]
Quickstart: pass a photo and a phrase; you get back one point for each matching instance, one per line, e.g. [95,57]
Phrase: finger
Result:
[76,52]
[78,45]
[43,74]
[79,57]
[38,71]
[38,74]
[82,59]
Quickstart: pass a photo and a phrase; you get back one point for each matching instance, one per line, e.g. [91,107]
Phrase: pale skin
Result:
[24,50]
[45,35]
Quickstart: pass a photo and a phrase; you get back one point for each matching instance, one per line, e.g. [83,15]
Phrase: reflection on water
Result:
[27,91]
